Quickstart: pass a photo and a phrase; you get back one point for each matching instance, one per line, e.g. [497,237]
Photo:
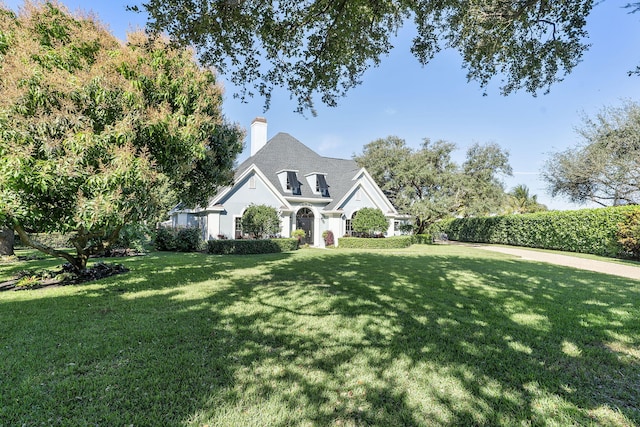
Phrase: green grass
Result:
[429,335]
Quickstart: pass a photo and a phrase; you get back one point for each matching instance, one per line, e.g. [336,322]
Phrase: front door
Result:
[304,221]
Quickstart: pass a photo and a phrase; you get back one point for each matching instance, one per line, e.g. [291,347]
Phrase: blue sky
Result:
[403,98]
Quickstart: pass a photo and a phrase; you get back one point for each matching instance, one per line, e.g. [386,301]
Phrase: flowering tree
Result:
[96,134]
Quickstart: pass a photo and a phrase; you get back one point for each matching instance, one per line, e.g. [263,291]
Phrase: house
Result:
[310,192]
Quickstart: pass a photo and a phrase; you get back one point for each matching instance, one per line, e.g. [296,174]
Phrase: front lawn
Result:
[429,335]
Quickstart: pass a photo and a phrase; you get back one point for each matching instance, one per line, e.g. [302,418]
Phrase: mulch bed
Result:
[28,279]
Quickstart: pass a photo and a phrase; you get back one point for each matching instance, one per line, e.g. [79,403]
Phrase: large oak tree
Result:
[95,133]
[604,167]
[428,185]
[321,48]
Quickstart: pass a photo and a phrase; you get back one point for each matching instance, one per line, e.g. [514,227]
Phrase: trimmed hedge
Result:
[394,242]
[423,239]
[251,247]
[591,231]
[53,240]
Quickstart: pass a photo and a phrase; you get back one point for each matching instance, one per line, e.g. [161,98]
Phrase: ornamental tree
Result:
[96,133]
[260,221]
[370,221]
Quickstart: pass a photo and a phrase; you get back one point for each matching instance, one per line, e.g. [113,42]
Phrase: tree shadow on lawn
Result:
[356,338]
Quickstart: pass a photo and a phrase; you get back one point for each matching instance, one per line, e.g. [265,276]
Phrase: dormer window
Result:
[321,186]
[293,184]
[318,183]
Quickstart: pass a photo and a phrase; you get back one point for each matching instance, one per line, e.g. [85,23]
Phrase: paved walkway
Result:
[616,269]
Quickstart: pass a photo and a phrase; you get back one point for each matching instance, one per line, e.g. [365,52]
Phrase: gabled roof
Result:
[284,152]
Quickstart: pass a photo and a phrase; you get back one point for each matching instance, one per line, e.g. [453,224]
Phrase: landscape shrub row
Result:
[394,242]
[593,231]
[249,247]
[53,240]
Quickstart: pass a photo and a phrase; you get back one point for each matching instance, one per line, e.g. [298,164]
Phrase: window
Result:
[321,186]
[348,228]
[293,184]
[252,182]
[238,227]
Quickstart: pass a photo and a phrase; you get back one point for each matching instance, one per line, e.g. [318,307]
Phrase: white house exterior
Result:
[310,192]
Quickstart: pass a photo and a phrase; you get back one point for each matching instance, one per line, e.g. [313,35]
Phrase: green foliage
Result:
[629,233]
[603,167]
[179,240]
[134,236]
[96,134]
[260,221]
[422,239]
[428,185]
[299,234]
[28,282]
[592,231]
[322,48]
[165,239]
[251,247]
[394,242]
[370,222]
[329,239]
[519,201]
[482,192]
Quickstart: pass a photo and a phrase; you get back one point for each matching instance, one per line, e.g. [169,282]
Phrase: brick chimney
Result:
[258,134]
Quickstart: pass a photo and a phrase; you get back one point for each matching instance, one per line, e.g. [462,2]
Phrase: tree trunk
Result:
[6,241]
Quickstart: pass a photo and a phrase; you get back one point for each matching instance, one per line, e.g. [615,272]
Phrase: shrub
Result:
[370,221]
[593,231]
[179,240]
[165,239]
[249,247]
[629,234]
[394,242]
[423,239]
[189,240]
[260,221]
[133,236]
[329,240]
[299,234]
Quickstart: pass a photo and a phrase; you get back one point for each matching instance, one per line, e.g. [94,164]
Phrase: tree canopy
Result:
[604,167]
[428,185]
[321,48]
[95,133]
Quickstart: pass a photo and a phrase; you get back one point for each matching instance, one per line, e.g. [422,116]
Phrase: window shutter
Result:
[324,188]
[294,183]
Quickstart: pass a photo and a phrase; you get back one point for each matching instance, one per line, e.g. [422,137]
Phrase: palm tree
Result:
[520,201]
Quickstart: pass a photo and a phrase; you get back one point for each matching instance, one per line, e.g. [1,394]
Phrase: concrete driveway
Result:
[616,269]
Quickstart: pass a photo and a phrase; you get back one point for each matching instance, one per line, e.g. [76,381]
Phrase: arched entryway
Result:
[304,221]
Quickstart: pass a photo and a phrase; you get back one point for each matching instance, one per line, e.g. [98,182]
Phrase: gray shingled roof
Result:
[284,152]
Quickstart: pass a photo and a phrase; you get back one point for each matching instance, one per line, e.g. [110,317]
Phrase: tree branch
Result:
[39,246]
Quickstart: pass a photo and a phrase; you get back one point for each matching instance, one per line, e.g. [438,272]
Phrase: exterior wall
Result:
[242,195]
[359,199]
